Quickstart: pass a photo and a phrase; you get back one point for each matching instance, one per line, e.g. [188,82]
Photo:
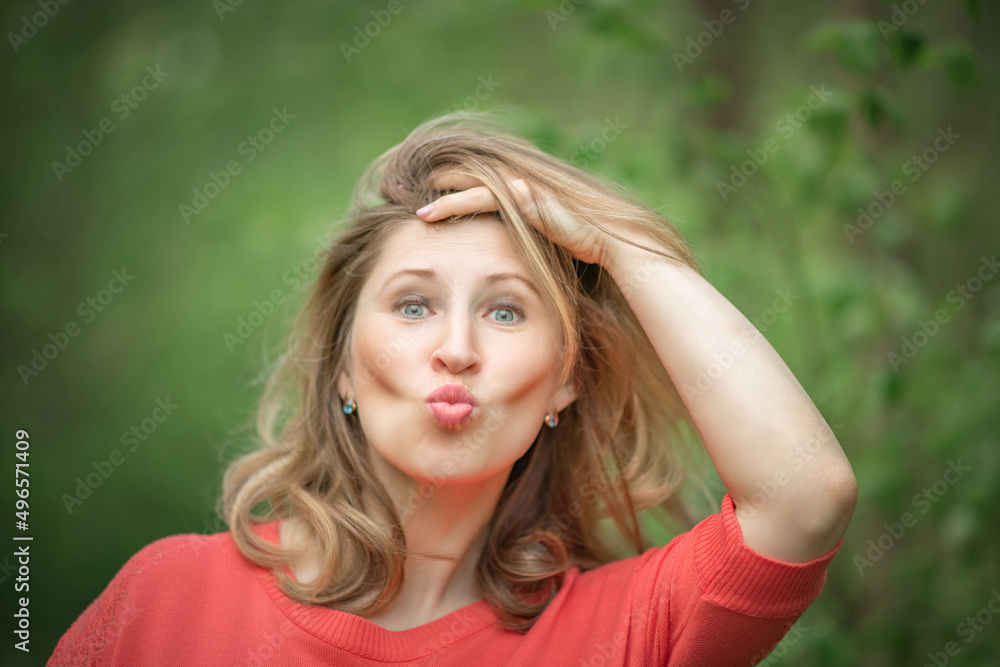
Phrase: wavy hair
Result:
[620,448]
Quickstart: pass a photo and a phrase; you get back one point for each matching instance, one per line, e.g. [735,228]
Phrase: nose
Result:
[458,348]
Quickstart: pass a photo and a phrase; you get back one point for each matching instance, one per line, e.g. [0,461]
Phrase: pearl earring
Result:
[350,406]
[551,419]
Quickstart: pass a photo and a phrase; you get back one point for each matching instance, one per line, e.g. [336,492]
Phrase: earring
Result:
[551,419]
[350,406]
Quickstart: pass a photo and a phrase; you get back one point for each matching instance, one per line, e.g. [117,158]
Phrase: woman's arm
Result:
[793,486]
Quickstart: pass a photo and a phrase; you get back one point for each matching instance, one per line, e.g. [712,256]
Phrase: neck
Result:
[446,520]
[449,520]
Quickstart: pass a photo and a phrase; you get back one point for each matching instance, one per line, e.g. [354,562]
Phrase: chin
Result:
[457,467]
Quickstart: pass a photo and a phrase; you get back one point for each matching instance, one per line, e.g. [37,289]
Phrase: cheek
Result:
[530,371]
[382,356]
[382,375]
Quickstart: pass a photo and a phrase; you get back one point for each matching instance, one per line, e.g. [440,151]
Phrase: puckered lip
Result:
[452,393]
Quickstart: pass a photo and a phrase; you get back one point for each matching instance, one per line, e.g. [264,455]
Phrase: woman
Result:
[501,352]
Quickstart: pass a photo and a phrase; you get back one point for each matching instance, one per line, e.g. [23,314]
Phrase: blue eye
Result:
[510,311]
[412,306]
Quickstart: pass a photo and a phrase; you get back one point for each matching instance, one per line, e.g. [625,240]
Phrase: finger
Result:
[474,200]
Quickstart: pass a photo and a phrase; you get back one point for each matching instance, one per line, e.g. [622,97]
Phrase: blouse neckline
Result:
[363,637]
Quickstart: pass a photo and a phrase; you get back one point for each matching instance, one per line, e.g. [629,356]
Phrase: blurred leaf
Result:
[892,231]
[709,91]
[612,22]
[989,332]
[861,47]
[879,104]
[907,47]
[973,8]
[543,131]
[959,65]
[949,210]
[855,187]
[872,108]
[830,121]
[958,527]
[857,44]
[823,36]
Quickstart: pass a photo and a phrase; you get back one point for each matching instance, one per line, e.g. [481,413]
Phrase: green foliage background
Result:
[688,105]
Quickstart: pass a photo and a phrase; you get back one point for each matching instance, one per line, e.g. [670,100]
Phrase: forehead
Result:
[476,245]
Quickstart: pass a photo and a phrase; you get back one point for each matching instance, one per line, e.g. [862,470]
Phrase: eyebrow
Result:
[491,279]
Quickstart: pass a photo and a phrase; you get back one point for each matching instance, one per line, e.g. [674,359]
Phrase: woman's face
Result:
[450,303]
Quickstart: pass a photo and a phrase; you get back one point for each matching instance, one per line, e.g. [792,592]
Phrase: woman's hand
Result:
[586,242]
[752,414]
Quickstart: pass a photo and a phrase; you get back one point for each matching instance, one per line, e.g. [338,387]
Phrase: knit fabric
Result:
[704,599]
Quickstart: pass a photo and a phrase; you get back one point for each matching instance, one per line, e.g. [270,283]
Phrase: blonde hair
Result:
[619,447]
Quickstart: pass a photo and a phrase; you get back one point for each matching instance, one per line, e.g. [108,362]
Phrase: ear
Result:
[564,396]
[345,388]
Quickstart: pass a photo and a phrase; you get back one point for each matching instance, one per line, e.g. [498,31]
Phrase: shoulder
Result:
[176,585]
[712,563]
[192,551]
[704,583]
[178,551]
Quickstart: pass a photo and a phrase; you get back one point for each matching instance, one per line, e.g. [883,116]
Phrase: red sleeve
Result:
[718,602]
[95,638]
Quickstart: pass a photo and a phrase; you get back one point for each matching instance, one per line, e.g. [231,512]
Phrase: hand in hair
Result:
[758,424]
[586,242]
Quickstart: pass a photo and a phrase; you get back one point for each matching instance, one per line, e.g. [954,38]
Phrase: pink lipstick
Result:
[451,404]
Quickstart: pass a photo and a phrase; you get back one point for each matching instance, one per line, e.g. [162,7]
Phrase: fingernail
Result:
[425,210]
